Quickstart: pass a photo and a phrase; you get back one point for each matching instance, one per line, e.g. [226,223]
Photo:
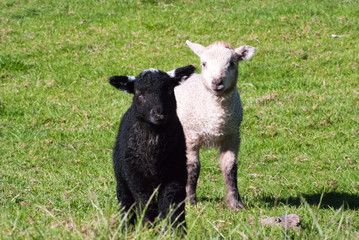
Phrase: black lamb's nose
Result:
[159,116]
[157,113]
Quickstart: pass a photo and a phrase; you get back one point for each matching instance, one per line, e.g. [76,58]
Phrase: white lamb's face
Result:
[219,69]
[220,64]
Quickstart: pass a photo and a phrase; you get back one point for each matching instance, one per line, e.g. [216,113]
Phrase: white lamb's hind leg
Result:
[228,159]
[193,169]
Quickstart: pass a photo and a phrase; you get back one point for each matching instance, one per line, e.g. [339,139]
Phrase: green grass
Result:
[59,116]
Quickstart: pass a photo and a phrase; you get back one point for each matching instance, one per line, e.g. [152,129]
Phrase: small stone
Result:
[287,221]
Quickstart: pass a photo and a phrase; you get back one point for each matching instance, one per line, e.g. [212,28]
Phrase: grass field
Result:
[59,116]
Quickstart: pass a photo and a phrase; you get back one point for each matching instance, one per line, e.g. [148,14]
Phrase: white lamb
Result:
[210,110]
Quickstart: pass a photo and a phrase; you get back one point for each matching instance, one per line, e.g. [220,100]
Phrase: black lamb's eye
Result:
[232,63]
[170,91]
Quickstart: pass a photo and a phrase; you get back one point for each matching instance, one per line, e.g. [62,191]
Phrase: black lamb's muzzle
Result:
[157,116]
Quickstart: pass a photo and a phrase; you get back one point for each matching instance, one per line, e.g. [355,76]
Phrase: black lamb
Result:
[150,150]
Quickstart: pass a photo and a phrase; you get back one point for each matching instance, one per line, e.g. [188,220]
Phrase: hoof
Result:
[192,200]
[235,205]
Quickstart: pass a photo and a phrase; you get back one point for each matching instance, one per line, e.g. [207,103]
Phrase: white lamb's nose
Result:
[218,85]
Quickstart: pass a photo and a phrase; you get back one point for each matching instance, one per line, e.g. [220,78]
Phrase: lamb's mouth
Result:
[218,88]
[158,120]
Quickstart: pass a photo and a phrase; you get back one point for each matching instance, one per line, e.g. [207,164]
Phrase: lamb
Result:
[150,149]
[210,110]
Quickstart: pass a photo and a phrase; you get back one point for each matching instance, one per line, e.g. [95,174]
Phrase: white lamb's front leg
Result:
[193,169]
[228,159]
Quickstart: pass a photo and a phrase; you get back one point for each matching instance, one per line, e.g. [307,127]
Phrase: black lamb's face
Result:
[154,100]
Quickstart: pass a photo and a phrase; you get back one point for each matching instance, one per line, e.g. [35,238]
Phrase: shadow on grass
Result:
[328,200]
[210,199]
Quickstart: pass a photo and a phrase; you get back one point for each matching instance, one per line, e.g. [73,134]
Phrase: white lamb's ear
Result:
[245,52]
[196,48]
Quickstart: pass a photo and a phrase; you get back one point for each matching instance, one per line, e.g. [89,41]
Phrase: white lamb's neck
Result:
[226,98]
[222,99]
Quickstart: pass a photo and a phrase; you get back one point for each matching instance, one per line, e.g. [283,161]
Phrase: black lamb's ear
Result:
[182,73]
[124,83]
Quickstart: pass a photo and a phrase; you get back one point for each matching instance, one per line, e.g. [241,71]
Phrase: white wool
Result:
[154,70]
[172,73]
[207,118]
[131,78]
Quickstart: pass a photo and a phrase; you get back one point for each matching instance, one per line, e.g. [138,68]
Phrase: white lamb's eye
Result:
[203,64]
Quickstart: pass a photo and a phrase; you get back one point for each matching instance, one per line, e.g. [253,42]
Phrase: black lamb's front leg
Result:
[125,200]
[173,195]
[144,195]
[147,206]
[124,196]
